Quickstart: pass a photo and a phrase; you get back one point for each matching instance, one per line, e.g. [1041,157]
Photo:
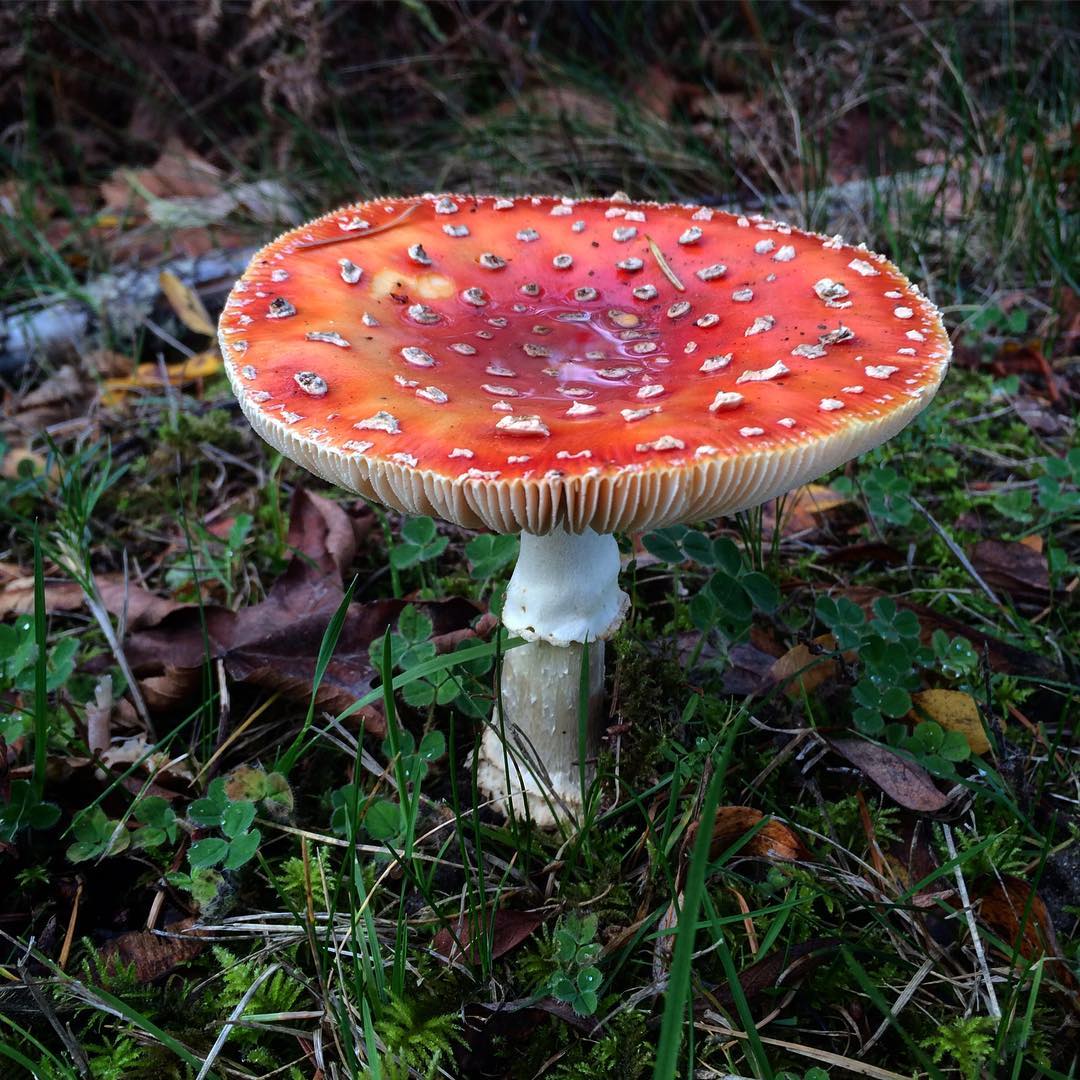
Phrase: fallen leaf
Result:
[903,781]
[154,954]
[803,668]
[801,508]
[1014,568]
[275,643]
[150,376]
[185,301]
[507,930]
[17,596]
[781,968]
[954,711]
[773,840]
[1017,915]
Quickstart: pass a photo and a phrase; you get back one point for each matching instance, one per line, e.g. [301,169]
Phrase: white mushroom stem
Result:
[564,591]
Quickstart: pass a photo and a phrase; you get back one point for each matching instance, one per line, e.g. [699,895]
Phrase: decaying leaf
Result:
[1015,568]
[773,840]
[802,507]
[954,711]
[1018,916]
[803,668]
[153,376]
[185,301]
[508,929]
[153,954]
[903,781]
[275,643]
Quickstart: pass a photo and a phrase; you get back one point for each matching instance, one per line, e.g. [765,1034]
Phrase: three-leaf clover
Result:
[419,543]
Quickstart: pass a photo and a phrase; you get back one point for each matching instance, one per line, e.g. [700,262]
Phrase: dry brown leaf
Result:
[802,506]
[153,954]
[185,301]
[1018,916]
[903,781]
[803,669]
[508,929]
[773,840]
[1015,568]
[954,711]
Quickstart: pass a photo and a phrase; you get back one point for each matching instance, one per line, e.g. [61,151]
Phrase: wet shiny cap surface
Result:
[547,342]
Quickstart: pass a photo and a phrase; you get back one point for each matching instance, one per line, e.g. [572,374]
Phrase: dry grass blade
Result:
[670,274]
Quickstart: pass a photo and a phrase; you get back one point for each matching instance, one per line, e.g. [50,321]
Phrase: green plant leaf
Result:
[242,849]
[206,853]
[237,818]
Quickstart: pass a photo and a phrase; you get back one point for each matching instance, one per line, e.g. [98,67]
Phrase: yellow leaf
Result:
[148,376]
[186,303]
[954,711]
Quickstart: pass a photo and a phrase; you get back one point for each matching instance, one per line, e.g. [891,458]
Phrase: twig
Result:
[961,887]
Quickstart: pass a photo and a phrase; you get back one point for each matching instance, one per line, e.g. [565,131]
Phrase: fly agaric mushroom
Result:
[569,369]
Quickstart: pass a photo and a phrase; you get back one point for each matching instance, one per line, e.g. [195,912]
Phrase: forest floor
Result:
[835,829]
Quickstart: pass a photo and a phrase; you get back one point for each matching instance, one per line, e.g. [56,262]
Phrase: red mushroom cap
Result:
[519,363]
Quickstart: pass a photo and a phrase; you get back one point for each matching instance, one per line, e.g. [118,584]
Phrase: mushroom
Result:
[611,380]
